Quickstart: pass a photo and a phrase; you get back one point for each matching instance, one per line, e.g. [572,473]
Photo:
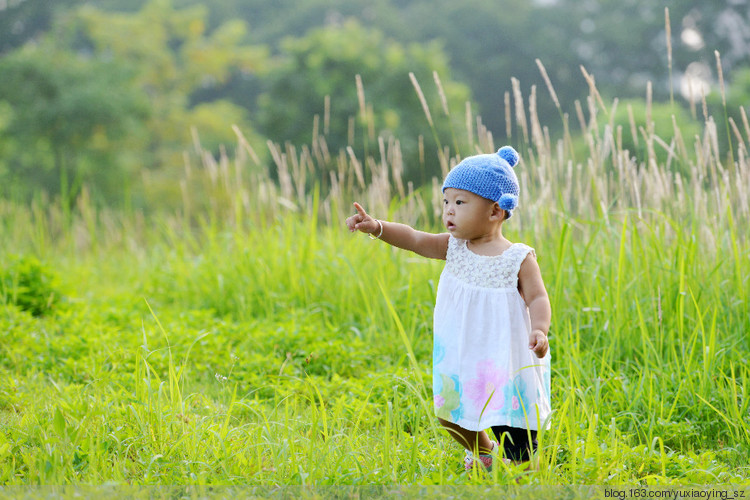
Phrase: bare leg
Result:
[477,442]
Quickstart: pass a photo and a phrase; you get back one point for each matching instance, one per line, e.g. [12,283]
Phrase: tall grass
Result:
[247,338]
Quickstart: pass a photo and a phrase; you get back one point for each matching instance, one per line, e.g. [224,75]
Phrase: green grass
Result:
[276,357]
[248,339]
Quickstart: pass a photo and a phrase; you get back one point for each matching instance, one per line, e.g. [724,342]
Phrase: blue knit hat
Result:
[491,176]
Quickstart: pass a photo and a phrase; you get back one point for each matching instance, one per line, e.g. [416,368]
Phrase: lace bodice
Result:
[498,271]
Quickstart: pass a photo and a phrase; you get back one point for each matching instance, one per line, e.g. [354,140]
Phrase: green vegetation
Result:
[320,66]
[109,93]
[29,285]
[248,338]
[181,304]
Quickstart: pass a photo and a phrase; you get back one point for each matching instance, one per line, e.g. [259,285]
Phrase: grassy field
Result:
[249,339]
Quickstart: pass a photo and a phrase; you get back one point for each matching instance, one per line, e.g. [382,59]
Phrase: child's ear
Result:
[497,212]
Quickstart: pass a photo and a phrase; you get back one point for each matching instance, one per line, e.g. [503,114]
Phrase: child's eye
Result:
[459,202]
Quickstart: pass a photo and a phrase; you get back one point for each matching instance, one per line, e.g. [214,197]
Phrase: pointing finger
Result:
[360,209]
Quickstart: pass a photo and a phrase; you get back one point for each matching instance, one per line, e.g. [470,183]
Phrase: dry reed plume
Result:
[241,193]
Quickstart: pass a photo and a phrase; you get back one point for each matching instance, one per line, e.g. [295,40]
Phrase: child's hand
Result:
[538,343]
[361,221]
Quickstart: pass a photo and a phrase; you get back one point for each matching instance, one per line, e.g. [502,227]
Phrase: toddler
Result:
[491,368]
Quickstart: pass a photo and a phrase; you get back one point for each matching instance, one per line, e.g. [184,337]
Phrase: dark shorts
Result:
[515,442]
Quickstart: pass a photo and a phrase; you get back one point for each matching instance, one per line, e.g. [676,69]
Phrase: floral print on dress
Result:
[438,352]
[515,397]
[448,398]
[486,390]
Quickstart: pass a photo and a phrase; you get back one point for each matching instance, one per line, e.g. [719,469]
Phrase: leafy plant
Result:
[30,285]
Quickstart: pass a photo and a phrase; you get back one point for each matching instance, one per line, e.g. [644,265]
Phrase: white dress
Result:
[484,373]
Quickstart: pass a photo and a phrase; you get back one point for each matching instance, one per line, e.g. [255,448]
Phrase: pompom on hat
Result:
[490,176]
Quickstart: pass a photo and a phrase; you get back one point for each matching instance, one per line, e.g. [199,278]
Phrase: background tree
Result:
[66,121]
[327,61]
[197,65]
[103,95]
[174,57]
[484,45]
[24,20]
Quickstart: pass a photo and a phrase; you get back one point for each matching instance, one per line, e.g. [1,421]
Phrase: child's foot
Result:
[486,460]
[469,461]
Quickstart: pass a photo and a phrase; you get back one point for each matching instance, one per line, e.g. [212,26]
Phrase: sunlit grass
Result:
[248,339]
[649,372]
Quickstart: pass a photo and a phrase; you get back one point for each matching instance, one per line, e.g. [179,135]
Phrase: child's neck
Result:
[491,243]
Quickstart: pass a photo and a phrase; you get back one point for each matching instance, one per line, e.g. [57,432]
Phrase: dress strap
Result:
[516,255]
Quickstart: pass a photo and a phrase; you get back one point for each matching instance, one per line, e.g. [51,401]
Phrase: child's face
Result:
[467,215]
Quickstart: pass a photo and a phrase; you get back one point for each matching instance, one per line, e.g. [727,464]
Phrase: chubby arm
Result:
[534,293]
[434,246]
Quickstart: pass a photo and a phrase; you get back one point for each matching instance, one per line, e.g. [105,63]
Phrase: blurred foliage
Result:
[29,284]
[622,43]
[104,95]
[131,79]
[660,119]
[326,62]
[173,56]
[24,20]
[634,123]
[66,121]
